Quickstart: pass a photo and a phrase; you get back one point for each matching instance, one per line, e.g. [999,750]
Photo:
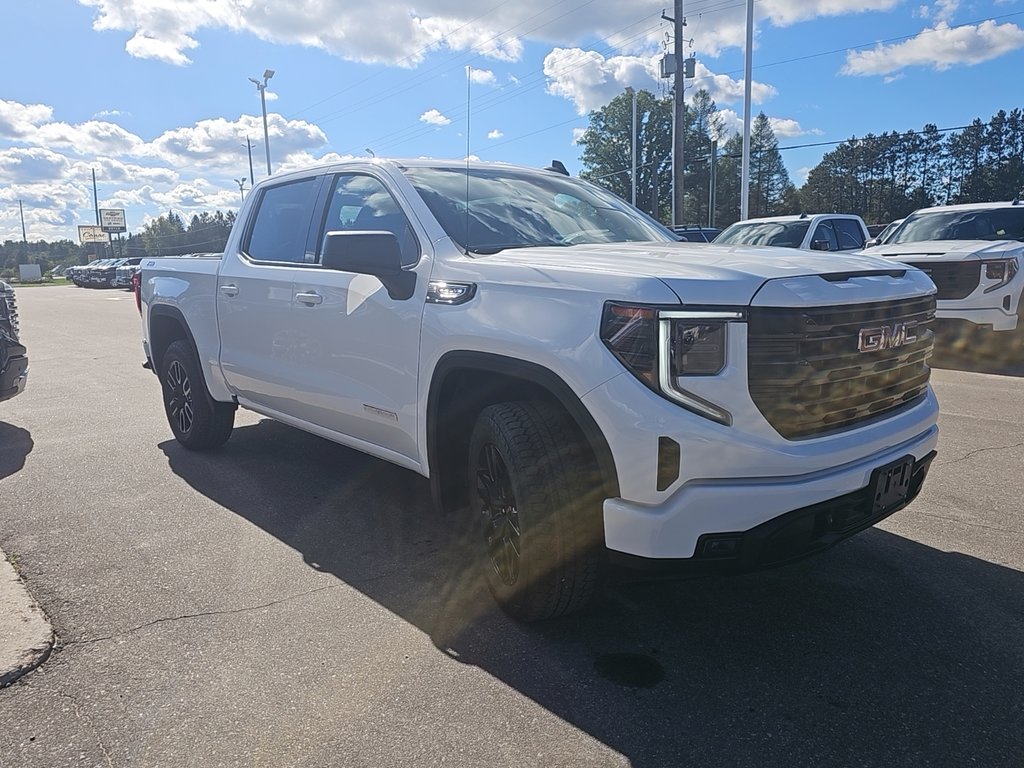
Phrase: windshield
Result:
[511,208]
[784,234]
[990,224]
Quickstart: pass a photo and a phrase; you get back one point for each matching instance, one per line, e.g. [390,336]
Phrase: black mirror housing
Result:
[820,245]
[369,253]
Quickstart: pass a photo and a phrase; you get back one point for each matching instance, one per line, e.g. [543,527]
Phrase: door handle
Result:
[229,289]
[310,299]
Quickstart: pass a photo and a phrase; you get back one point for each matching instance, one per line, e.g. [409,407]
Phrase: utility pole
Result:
[248,145]
[95,198]
[678,113]
[747,69]
[24,236]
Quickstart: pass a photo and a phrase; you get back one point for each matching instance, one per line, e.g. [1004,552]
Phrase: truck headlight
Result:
[661,346]
[1003,270]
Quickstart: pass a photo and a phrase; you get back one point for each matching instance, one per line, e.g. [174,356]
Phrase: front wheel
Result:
[535,495]
[197,421]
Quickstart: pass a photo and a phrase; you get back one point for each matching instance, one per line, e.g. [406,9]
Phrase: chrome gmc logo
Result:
[886,337]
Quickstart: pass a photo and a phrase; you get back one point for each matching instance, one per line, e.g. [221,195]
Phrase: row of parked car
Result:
[104,273]
[972,252]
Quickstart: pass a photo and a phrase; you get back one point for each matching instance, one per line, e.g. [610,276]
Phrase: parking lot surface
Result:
[288,602]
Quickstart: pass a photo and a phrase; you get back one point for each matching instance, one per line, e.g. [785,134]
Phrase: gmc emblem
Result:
[886,337]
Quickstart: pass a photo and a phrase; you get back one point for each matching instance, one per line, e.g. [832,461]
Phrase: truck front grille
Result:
[808,376]
[955,280]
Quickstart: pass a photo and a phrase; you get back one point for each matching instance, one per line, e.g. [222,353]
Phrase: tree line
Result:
[880,177]
[166,235]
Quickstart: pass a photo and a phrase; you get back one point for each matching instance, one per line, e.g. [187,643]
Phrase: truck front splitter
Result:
[791,536]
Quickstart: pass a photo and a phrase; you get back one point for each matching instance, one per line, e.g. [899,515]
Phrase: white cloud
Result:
[110,113]
[788,128]
[220,143]
[495,134]
[35,164]
[577,134]
[481,76]
[93,137]
[782,127]
[19,121]
[190,168]
[434,117]
[939,48]
[590,80]
[395,33]
[942,10]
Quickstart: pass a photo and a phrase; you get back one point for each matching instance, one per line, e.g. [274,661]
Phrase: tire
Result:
[198,421]
[536,499]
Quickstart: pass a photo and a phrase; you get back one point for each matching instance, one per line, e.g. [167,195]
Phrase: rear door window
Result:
[281,223]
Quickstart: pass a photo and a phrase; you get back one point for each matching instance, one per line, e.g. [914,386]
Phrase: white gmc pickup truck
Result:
[973,254]
[584,389]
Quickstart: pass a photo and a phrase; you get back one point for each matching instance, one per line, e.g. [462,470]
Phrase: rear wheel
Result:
[535,495]
[197,421]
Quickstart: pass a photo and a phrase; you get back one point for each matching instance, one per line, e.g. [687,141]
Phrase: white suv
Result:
[817,232]
[973,255]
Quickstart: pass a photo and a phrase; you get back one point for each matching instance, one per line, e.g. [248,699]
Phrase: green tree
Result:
[770,187]
[607,150]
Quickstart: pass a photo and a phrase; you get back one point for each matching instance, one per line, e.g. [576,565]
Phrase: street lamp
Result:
[262,88]
[241,187]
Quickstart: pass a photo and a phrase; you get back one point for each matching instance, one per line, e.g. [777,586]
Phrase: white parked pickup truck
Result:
[578,385]
[973,254]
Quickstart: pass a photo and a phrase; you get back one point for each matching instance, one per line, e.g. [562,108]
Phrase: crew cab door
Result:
[254,295]
[357,346]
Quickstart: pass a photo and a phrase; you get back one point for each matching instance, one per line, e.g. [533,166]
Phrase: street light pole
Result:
[262,88]
[241,187]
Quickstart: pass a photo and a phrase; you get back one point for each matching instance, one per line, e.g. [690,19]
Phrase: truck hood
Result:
[947,250]
[696,273]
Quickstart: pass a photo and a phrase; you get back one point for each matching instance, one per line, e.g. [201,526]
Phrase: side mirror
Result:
[820,245]
[369,253]
[871,243]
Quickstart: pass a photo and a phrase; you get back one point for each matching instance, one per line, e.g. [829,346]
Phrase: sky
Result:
[156,97]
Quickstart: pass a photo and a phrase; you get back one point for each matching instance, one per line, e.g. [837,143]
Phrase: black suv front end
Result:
[13,355]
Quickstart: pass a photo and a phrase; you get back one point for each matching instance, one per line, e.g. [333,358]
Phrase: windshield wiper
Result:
[487,250]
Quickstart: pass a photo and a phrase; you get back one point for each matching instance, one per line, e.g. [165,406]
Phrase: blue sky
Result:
[155,94]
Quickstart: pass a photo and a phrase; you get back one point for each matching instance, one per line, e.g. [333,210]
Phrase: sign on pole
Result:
[112,220]
[88,233]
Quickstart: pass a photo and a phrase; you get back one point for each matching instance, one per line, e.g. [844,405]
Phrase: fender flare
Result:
[533,373]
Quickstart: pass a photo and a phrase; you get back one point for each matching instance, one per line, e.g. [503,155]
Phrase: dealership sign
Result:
[92,234]
[112,220]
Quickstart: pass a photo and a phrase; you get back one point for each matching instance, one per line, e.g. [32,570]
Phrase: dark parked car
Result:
[13,355]
[696,234]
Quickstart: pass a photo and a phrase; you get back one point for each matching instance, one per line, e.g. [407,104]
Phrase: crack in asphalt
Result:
[92,727]
[198,615]
[969,454]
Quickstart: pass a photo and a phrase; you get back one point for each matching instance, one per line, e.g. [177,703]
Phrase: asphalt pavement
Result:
[285,601]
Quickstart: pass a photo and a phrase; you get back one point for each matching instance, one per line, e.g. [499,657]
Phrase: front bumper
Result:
[995,318]
[789,537]
[731,480]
